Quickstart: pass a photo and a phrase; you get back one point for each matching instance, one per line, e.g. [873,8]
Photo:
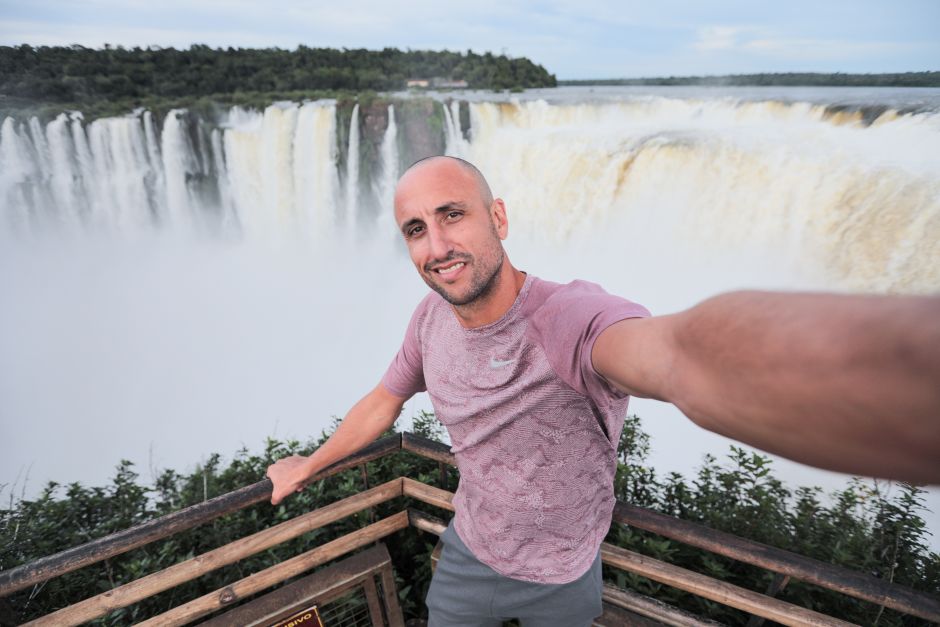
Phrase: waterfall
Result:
[121,166]
[315,172]
[352,167]
[226,201]
[41,146]
[846,196]
[156,179]
[856,206]
[281,167]
[258,150]
[276,174]
[94,204]
[207,278]
[388,170]
[179,165]
[15,171]
[455,144]
[68,198]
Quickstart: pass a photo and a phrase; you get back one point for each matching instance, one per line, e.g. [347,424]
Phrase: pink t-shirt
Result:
[533,427]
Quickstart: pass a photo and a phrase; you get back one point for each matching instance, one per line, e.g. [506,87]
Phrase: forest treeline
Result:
[788,79]
[76,74]
[871,528]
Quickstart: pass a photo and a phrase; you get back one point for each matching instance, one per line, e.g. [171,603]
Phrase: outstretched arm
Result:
[366,421]
[847,383]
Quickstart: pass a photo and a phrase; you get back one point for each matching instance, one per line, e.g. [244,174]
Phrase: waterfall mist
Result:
[180,286]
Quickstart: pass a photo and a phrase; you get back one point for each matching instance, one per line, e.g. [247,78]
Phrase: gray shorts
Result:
[465,592]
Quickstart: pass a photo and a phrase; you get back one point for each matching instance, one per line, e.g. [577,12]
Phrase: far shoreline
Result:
[772,79]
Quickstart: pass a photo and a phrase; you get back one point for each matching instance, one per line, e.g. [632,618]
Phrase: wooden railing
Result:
[786,565]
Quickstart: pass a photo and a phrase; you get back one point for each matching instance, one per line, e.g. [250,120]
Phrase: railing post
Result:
[365,486]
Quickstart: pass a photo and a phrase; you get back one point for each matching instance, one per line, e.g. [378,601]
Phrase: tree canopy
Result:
[77,74]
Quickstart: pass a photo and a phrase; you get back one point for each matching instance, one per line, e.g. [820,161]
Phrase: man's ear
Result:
[500,221]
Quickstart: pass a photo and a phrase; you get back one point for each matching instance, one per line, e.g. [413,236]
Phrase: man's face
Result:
[452,236]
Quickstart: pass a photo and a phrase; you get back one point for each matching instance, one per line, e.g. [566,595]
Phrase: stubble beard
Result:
[482,283]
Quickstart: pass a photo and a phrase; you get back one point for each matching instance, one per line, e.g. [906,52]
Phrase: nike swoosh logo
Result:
[495,363]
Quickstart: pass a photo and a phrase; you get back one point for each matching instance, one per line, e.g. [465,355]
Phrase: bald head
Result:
[453,228]
[444,165]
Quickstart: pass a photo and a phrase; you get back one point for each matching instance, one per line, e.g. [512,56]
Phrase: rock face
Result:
[420,123]
[373,123]
[421,129]
[420,133]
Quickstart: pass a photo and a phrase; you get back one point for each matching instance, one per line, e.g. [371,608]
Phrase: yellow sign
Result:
[309,617]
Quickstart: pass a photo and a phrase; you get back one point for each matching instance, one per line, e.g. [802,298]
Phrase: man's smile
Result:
[450,269]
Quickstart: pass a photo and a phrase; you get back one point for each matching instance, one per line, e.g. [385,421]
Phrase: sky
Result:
[573,40]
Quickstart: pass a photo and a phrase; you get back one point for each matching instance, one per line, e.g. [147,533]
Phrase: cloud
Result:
[767,45]
[826,49]
[718,37]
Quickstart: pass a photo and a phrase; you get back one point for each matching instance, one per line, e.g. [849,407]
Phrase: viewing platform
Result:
[350,581]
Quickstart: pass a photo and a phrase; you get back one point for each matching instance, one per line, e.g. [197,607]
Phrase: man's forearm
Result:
[367,419]
[365,422]
[850,383]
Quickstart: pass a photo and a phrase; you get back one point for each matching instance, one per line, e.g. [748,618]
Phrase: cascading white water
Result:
[178,162]
[388,169]
[856,207]
[352,166]
[43,157]
[15,169]
[274,175]
[281,169]
[156,179]
[229,220]
[663,200]
[67,200]
[853,205]
[314,167]
[86,174]
[454,143]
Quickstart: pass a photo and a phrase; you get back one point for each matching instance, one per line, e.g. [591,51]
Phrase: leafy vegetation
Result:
[85,77]
[871,528]
[787,79]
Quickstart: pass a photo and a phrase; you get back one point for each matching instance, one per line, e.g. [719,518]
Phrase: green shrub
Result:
[874,528]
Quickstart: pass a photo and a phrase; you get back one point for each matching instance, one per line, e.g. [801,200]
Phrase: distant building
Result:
[446,83]
[437,83]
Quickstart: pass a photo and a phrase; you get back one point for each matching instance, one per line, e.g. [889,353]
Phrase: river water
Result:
[180,286]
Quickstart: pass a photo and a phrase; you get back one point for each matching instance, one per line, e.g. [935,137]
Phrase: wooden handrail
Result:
[675,576]
[426,522]
[724,593]
[651,608]
[95,551]
[427,448]
[66,561]
[837,578]
[187,570]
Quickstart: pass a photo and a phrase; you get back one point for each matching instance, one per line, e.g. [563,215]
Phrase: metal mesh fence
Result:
[350,610]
